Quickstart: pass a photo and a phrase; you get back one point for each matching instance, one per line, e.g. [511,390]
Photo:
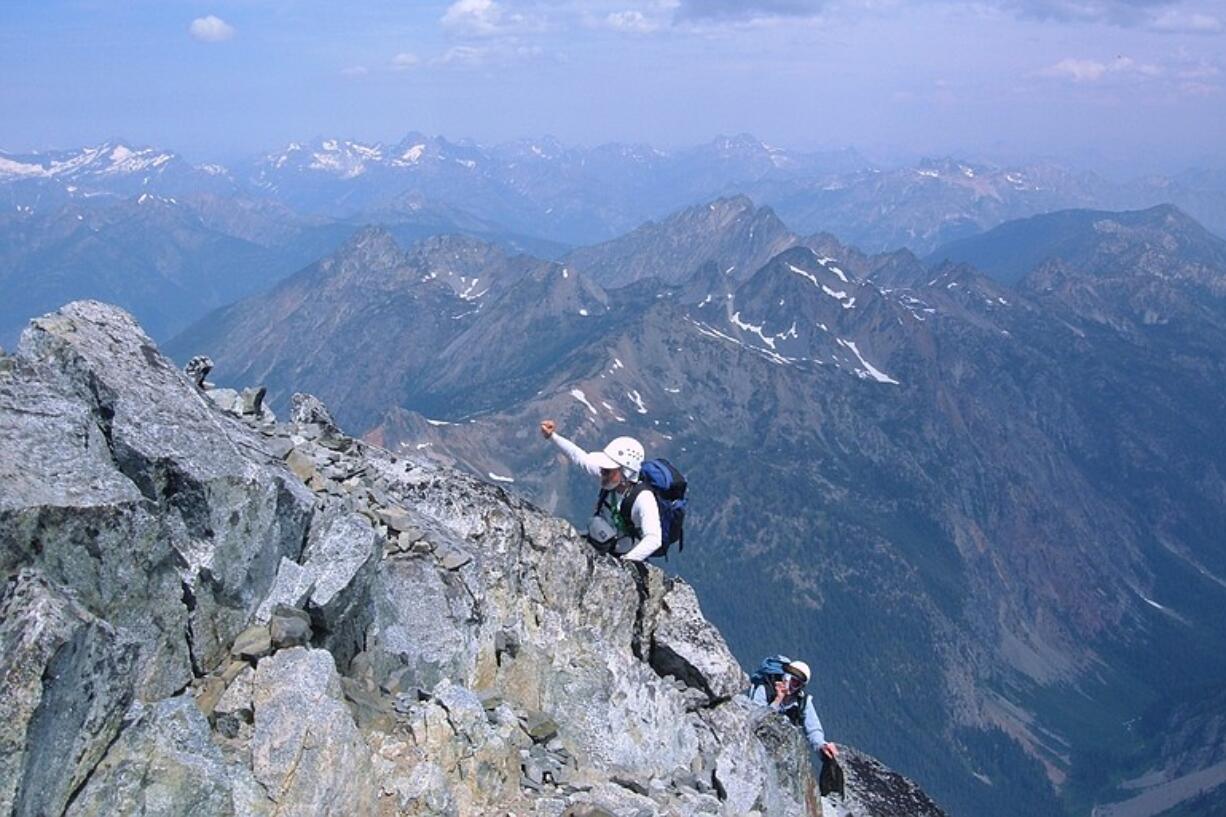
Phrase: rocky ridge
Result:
[210,612]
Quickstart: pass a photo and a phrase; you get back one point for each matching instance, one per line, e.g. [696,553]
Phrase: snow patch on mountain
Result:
[582,398]
[411,156]
[612,411]
[637,399]
[804,274]
[869,372]
[10,168]
[828,263]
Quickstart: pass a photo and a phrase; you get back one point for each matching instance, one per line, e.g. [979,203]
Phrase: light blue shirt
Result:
[812,724]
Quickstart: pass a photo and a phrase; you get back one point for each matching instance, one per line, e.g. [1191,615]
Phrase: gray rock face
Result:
[66,683]
[357,634]
[173,521]
[306,750]
[688,647]
[874,789]
[310,410]
[341,557]
[289,628]
[167,763]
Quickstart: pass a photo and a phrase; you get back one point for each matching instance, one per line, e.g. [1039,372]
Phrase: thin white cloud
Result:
[404,61]
[1199,89]
[632,20]
[484,18]
[354,71]
[502,52]
[211,29]
[467,56]
[1199,70]
[1155,15]
[1076,70]
[745,9]
[1083,70]
[1179,22]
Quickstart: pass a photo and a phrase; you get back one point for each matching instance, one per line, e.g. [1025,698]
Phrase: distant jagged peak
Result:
[1157,241]
[542,148]
[722,213]
[1163,217]
[740,143]
[453,245]
[417,148]
[115,157]
[470,266]
[735,203]
[802,309]
[345,158]
[372,249]
[802,283]
[731,231]
[637,151]
[896,270]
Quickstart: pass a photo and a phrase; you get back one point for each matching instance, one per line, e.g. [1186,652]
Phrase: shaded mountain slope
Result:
[1092,241]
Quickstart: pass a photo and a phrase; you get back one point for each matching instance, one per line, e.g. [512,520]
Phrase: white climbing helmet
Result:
[625,453]
[799,669]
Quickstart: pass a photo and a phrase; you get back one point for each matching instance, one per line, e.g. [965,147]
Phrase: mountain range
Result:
[985,503]
[577,196]
[146,229]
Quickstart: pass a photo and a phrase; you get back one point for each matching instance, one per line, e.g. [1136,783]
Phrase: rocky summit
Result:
[207,612]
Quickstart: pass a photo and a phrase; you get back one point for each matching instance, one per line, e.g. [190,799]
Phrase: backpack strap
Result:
[627,506]
[627,512]
[796,714]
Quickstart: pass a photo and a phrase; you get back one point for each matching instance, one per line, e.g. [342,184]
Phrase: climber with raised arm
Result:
[779,683]
[626,521]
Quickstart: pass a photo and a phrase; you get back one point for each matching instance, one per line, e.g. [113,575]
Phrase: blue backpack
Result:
[768,672]
[668,485]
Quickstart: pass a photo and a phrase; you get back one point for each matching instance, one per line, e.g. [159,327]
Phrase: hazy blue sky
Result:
[1097,78]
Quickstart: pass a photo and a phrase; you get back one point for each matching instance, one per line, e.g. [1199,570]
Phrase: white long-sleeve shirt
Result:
[645,514]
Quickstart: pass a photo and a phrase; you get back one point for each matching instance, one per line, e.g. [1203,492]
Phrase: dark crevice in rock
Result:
[630,785]
[666,662]
[189,601]
[285,502]
[320,633]
[106,411]
[187,496]
[456,728]
[589,571]
[476,616]
[718,785]
[505,644]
